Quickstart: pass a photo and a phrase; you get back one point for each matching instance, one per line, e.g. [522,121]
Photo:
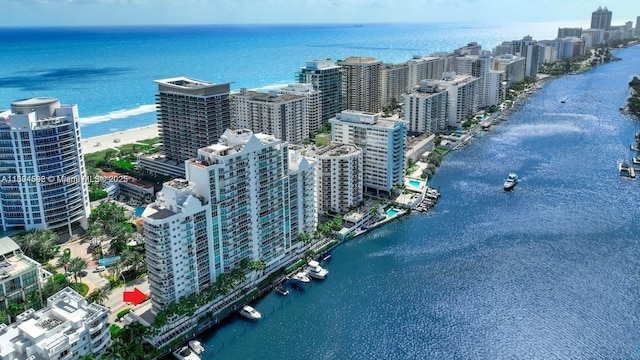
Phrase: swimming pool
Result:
[414,183]
[392,212]
[138,211]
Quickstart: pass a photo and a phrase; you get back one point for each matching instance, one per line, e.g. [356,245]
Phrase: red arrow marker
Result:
[136,296]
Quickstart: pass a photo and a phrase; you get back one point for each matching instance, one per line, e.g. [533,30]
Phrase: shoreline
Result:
[112,141]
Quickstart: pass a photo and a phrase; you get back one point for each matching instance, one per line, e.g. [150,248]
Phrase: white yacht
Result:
[511,181]
[563,100]
[316,271]
[301,276]
[185,354]
[250,313]
[196,346]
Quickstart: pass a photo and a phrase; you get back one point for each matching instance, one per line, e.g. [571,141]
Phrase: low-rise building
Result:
[19,274]
[67,328]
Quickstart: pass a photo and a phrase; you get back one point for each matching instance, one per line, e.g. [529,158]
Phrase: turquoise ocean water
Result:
[109,72]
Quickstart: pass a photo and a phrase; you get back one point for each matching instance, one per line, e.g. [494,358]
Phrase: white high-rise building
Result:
[285,116]
[67,328]
[339,176]
[313,104]
[463,97]
[179,255]
[382,142]
[424,68]
[244,179]
[44,184]
[325,76]
[302,185]
[488,85]
[361,83]
[426,108]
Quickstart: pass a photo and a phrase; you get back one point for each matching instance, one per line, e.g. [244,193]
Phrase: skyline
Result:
[27,13]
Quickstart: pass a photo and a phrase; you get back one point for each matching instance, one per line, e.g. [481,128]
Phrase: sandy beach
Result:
[103,142]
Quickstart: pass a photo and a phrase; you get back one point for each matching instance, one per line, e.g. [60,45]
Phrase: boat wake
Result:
[118,114]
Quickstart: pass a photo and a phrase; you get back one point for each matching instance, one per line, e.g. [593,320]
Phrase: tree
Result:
[34,300]
[98,296]
[76,265]
[64,261]
[94,232]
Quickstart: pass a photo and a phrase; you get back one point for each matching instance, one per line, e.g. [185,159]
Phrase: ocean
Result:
[550,270]
[109,71]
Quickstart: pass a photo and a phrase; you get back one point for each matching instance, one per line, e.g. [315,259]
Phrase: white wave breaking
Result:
[118,114]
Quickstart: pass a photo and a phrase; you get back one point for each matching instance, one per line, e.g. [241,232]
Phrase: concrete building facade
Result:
[424,68]
[512,66]
[361,83]
[382,142]
[67,328]
[326,77]
[42,166]
[285,116]
[426,108]
[601,18]
[191,114]
[463,97]
[394,83]
[339,177]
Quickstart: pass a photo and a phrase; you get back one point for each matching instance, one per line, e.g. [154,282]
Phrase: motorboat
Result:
[185,354]
[250,313]
[563,100]
[196,346]
[316,271]
[623,169]
[301,276]
[636,159]
[511,181]
[282,290]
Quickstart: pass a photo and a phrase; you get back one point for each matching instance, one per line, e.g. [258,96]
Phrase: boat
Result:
[316,271]
[636,160]
[563,100]
[196,346]
[282,290]
[511,181]
[301,276]
[624,169]
[185,354]
[250,313]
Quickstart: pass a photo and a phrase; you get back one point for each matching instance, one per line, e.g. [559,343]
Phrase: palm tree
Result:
[64,261]
[47,240]
[34,300]
[76,265]
[98,296]
[94,232]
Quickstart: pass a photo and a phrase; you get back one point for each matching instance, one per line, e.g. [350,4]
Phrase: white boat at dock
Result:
[250,313]
[301,276]
[185,353]
[511,181]
[316,271]
[196,346]
[625,170]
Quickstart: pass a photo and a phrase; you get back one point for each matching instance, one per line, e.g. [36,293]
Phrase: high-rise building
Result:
[382,142]
[313,104]
[512,66]
[361,84]
[325,76]
[67,328]
[244,179]
[463,97]
[426,108]
[472,48]
[597,35]
[285,116]
[601,18]
[302,185]
[176,231]
[638,26]
[393,83]
[566,32]
[488,84]
[339,177]
[424,68]
[20,275]
[191,114]
[44,184]
[528,49]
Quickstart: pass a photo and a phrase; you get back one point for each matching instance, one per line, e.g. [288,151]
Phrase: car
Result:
[99,268]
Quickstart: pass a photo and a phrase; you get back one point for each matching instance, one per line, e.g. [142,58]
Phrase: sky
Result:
[193,12]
